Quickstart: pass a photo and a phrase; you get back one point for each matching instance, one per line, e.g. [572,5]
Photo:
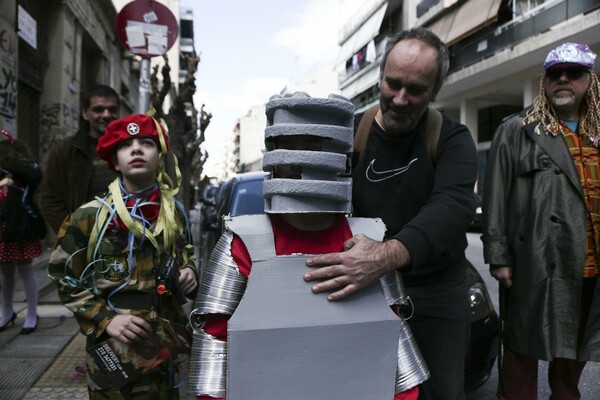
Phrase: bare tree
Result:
[182,122]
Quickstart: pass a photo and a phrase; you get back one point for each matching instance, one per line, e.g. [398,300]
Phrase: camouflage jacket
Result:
[85,288]
[96,292]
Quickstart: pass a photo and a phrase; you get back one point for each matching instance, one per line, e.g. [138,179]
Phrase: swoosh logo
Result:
[378,176]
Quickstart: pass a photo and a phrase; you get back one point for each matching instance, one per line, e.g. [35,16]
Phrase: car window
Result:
[247,198]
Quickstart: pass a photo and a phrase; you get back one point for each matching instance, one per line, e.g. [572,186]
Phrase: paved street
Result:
[589,385]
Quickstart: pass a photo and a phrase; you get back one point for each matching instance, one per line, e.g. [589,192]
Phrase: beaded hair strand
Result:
[591,121]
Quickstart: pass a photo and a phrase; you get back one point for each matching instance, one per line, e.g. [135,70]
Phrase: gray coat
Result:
[534,219]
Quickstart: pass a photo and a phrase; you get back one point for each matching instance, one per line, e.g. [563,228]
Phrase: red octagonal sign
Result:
[147,28]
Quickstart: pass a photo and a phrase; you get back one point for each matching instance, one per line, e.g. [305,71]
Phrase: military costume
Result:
[105,264]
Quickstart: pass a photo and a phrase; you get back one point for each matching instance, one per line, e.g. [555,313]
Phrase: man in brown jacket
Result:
[74,173]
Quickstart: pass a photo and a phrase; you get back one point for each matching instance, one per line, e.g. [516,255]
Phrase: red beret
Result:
[129,127]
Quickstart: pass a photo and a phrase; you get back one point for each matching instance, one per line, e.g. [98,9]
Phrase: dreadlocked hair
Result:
[591,121]
[542,111]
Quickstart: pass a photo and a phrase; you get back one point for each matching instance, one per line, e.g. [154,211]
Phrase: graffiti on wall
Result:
[70,116]
[50,117]
[57,115]
[8,72]
[8,47]
[8,91]
[56,122]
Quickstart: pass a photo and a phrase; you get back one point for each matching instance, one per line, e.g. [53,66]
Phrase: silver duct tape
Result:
[222,285]
[411,370]
[207,366]
[392,286]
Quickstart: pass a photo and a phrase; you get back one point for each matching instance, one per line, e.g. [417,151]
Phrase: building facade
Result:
[53,51]
[497,48]
[251,139]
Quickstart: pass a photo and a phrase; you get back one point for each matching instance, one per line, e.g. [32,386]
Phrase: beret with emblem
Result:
[129,127]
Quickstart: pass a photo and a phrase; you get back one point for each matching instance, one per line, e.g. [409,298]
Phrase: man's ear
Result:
[84,114]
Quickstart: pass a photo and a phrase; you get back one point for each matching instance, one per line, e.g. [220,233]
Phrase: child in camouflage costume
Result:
[108,251]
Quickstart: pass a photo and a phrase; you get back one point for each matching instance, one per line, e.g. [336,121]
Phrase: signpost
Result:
[147,29]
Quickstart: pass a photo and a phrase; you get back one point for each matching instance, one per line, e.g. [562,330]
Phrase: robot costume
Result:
[283,341]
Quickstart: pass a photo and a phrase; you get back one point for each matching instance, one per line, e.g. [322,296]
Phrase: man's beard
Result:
[562,101]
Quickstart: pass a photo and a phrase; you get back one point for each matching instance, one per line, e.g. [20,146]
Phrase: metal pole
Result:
[144,98]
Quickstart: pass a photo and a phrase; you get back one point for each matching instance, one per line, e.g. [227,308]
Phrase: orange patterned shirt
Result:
[585,158]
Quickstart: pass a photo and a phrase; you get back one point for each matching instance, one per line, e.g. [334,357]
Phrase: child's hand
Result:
[7,181]
[128,328]
[187,280]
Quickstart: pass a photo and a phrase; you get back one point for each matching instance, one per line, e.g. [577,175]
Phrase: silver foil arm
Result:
[208,366]
[222,285]
[221,289]
[411,369]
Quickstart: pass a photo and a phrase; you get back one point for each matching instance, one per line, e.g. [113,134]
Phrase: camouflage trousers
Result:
[153,386]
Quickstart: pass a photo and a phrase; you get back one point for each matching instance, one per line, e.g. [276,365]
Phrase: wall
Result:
[83,50]
[8,67]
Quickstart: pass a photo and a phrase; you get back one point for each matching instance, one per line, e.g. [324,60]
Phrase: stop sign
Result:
[147,28]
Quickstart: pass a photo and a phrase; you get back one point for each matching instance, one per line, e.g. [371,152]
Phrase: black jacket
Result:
[428,208]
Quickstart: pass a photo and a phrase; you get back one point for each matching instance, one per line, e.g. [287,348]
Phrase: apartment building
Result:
[53,51]
[497,48]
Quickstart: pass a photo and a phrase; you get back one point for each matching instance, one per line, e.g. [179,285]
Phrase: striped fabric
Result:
[585,158]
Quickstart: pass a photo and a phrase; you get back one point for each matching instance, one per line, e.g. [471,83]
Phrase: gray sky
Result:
[251,50]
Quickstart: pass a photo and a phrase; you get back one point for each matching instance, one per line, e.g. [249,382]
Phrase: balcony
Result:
[493,39]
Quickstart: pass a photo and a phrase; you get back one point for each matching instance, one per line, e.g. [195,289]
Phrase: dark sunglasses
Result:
[573,74]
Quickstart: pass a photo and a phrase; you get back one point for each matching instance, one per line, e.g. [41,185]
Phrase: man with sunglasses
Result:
[74,173]
[541,228]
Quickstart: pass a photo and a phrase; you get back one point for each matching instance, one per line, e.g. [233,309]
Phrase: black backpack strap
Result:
[432,133]
[362,133]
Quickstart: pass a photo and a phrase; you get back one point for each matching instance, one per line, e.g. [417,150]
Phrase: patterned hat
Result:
[571,53]
[131,126]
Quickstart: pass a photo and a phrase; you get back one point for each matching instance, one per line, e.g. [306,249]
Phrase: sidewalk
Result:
[29,367]
[49,363]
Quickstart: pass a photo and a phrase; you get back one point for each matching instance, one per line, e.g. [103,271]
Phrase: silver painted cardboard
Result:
[284,342]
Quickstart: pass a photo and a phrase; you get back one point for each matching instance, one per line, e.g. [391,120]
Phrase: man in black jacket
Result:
[541,228]
[425,198]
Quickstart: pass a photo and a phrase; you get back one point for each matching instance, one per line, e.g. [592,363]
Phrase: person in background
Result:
[541,228]
[109,255]
[422,189]
[19,177]
[74,173]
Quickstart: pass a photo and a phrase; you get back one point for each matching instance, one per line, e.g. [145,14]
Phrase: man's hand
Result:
[128,328]
[363,263]
[502,273]
[187,280]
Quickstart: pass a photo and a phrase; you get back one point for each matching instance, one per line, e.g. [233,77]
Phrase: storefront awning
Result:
[464,19]
[367,31]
